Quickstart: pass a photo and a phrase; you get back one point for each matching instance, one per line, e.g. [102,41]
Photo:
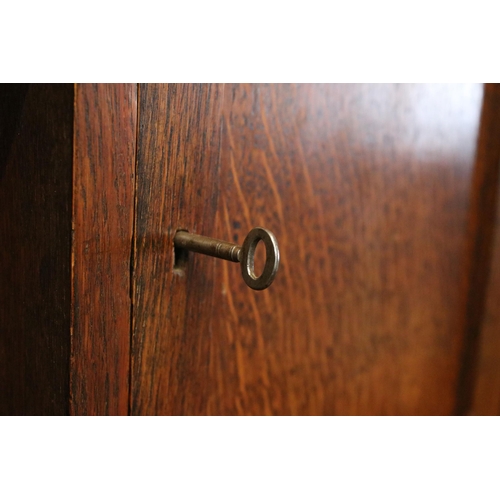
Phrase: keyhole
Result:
[181,258]
[259,258]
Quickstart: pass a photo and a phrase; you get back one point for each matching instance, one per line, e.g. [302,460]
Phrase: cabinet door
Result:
[369,190]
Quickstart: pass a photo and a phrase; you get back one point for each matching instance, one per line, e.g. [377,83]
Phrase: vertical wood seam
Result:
[72,257]
[133,252]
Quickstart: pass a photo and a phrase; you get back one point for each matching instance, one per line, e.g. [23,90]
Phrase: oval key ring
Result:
[247,258]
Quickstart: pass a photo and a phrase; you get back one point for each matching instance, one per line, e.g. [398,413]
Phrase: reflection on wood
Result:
[367,190]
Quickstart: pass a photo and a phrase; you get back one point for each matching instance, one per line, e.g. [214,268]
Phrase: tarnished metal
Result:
[234,253]
[208,246]
[248,258]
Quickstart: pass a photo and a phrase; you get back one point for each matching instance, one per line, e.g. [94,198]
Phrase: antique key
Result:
[245,254]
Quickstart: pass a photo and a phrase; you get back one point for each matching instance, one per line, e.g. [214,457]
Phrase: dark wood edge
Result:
[481,227]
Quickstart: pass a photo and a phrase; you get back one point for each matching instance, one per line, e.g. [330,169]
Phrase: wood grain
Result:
[177,187]
[367,188]
[370,190]
[36,124]
[479,388]
[103,207]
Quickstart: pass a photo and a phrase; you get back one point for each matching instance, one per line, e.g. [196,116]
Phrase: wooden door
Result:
[374,194]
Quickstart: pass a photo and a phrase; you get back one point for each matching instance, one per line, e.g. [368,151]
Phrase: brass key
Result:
[245,254]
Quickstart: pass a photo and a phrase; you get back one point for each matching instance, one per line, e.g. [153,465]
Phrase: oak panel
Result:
[103,207]
[367,188]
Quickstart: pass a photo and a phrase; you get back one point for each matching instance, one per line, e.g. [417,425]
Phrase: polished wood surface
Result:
[367,188]
[177,188]
[36,123]
[480,389]
[103,208]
